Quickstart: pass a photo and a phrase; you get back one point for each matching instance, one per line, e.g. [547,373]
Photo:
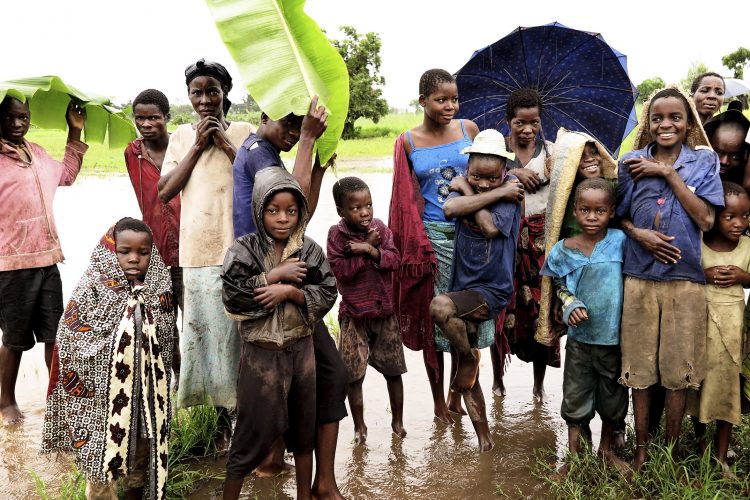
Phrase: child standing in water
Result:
[109,398]
[362,257]
[668,193]
[278,285]
[583,266]
[726,264]
[532,167]
[426,159]
[482,273]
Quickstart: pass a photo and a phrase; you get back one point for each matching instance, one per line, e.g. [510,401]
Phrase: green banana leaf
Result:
[48,98]
[284,59]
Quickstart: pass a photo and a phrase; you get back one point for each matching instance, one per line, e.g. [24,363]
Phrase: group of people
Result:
[496,242]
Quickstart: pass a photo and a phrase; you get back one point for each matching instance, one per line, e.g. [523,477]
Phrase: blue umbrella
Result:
[582,81]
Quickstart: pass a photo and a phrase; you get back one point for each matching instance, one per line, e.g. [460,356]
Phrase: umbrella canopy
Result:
[734,87]
[48,98]
[582,81]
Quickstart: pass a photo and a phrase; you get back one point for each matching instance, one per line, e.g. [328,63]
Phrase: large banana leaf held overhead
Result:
[48,98]
[284,60]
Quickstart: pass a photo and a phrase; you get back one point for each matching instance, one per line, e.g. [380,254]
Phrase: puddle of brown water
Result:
[434,461]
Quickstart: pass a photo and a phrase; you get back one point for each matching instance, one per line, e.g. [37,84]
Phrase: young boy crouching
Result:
[487,204]
[278,284]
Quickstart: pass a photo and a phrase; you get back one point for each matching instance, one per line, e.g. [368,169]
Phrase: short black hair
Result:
[431,80]
[155,97]
[672,92]
[596,183]
[733,189]
[697,80]
[486,156]
[346,185]
[522,98]
[6,104]
[131,224]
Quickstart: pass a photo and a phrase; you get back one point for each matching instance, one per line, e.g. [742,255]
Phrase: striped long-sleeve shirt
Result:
[364,284]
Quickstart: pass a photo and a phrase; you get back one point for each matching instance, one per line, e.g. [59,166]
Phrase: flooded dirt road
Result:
[434,461]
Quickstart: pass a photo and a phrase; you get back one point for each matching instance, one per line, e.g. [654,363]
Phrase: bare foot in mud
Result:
[398,429]
[443,415]
[498,389]
[222,442]
[539,395]
[639,458]
[618,443]
[273,469]
[726,472]
[11,415]
[561,474]
[620,465]
[360,435]
[454,403]
[466,374]
[485,443]
[482,428]
[326,495]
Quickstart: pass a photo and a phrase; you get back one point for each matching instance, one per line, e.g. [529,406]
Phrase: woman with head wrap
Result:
[198,165]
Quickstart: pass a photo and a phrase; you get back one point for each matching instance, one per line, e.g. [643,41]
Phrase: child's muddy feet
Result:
[727,473]
[482,429]
[443,415]
[539,395]
[360,435]
[639,457]
[498,389]
[468,369]
[222,441]
[333,494]
[273,469]
[561,474]
[398,429]
[618,442]
[454,403]
[11,415]
[619,465]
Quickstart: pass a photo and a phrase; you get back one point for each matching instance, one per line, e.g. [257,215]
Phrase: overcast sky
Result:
[118,48]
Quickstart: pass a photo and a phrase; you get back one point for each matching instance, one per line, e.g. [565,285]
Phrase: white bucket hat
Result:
[489,142]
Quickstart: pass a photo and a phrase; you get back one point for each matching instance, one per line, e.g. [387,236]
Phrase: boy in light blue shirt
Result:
[587,269]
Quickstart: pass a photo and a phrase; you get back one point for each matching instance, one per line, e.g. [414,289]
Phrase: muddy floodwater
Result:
[433,462]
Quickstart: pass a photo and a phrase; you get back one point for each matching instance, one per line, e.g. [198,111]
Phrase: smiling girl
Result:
[669,192]
[426,159]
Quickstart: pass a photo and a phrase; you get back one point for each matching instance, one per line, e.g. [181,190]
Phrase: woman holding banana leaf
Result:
[31,300]
[198,165]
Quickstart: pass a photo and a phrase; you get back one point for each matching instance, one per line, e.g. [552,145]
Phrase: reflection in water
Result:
[434,461]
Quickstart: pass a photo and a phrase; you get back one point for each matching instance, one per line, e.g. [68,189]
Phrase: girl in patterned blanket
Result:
[108,399]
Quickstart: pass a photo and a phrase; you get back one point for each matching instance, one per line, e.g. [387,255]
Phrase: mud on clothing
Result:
[276,397]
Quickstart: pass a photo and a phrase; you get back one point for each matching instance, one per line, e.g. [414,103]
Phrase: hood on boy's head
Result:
[268,182]
[695,134]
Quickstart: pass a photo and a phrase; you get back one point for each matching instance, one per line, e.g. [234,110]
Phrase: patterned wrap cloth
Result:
[90,406]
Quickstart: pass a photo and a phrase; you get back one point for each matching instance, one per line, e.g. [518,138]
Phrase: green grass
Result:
[692,477]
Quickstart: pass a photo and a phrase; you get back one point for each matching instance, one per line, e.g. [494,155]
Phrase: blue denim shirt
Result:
[596,283]
[485,265]
[641,201]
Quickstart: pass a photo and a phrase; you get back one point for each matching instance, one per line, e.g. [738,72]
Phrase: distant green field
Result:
[375,143]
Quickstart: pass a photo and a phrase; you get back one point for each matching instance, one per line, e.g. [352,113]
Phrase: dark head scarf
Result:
[214,70]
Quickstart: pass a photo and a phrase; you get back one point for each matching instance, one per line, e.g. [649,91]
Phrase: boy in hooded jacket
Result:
[278,284]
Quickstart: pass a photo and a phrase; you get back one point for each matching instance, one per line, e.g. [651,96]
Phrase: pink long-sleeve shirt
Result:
[28,236]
